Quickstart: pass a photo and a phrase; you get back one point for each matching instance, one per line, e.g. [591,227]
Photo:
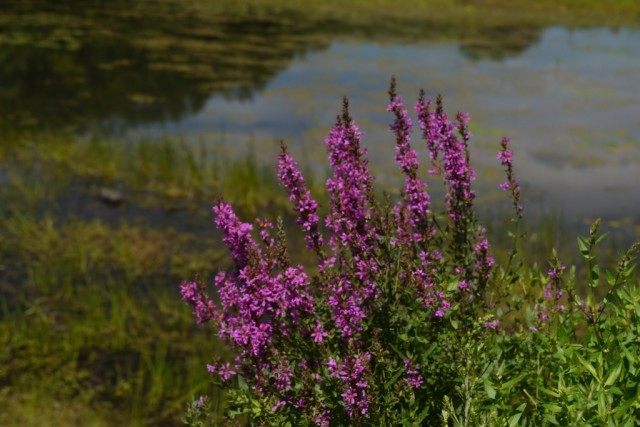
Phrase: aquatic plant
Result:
[405,318]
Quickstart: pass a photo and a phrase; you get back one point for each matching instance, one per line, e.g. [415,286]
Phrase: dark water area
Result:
[242,81]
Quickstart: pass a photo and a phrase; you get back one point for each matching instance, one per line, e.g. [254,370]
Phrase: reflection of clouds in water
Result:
[567,102]
[567,98]
[119,64]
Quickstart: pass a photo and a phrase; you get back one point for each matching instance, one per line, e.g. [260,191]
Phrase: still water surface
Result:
[569,98]
[571,103]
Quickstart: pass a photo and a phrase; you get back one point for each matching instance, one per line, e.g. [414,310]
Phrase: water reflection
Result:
[567,101]
[503,42]
[567,97]
[116,64]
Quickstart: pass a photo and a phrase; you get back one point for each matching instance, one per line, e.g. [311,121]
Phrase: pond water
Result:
[571,104]
[569,98]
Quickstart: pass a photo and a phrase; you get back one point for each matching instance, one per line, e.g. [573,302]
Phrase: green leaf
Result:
[513,421]
[611,279]
[582,245]
[589,367]
[552,408]
[431,349]
[602,406]
[391,381]
[489,389]
[422,415]
[550,418]
[613,376]
[255,408]
[396,351]
[550,392]
[629,270]
[242,384]
[507,385]
[615,390]
[601,238]
[595,276]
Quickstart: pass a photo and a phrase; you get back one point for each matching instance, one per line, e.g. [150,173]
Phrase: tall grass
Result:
[91,331]
[89,322]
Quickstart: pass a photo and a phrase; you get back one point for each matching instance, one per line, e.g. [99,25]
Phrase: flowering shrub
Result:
[405,319]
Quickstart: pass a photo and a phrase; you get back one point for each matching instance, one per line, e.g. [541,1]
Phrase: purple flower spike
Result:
[224,370]
[236,234]
[305,206]
[438,132]
[505,157]
[319,333]
[412,213]
[349,186]
[492,324]
[427,121]
[352,375]
[203,307]
[406,157]
[414,378]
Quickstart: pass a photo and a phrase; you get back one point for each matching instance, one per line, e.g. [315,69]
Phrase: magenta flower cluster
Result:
[412,212]
[309,346]
[414,378]
[349,187]
[204,309]
[553,295]
[300,196]
[351,226]
[450,156]
[352,375]
[505,157]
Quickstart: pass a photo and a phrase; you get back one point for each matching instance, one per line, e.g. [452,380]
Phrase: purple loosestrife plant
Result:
[512,186]
[300,196]
[412,212]
[505,156]
[395,321]
[353,235]
[439,134]
[311,349]
[427,120]
[194,294]
[449,155]
[349,186]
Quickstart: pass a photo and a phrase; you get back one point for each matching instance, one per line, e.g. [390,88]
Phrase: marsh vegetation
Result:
[107,172]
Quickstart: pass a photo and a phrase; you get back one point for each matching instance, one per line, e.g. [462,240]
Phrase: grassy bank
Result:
[95,235]
[92,330]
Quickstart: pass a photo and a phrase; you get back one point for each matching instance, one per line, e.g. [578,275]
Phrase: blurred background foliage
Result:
[97,229]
